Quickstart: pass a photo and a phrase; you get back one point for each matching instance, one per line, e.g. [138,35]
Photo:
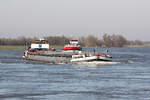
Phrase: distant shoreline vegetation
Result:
[59,41]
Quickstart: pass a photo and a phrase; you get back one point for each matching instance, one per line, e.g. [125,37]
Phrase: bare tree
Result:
[89,41]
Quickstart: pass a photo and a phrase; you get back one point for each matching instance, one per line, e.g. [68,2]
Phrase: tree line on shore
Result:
[88,41]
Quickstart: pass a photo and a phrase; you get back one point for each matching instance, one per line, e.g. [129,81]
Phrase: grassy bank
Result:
[18,47]
[137,46]
[10,47]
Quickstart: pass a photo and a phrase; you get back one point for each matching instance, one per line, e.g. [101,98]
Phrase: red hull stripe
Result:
[71,48]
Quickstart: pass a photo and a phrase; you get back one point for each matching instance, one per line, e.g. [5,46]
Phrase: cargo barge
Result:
[41,51]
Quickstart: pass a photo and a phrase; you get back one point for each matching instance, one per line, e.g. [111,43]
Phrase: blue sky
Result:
[129,18]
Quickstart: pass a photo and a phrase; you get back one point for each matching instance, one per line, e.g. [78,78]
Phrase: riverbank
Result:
[21,47]
[137,46]
[12,47]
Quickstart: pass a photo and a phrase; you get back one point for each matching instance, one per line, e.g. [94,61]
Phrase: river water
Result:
[32,80]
